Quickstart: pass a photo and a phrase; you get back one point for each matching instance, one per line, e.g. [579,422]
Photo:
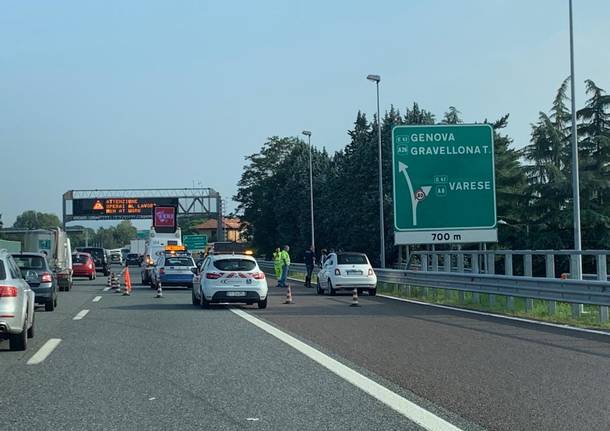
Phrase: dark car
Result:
[133,259]
[43,282]
[99,258]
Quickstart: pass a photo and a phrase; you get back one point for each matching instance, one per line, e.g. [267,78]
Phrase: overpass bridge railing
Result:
[474,271]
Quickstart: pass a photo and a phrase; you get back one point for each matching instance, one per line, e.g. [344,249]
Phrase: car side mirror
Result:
[195,271]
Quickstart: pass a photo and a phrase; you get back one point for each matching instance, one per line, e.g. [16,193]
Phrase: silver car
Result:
[16,304]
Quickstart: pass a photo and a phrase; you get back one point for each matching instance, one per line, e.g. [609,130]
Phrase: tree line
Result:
[533,183]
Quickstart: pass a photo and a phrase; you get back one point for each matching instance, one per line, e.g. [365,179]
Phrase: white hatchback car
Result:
[342,271]
[230,278]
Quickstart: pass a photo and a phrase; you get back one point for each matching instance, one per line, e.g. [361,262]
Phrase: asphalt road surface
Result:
[143,363]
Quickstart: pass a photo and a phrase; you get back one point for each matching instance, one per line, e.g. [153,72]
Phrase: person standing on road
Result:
[285,259]
[310,261]
[277,264]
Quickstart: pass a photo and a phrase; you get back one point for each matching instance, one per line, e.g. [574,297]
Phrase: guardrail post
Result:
[460,262]
[491,269]
[423,258]
[602,275]
[528,272]
[435,262]
[549,263]
[577,309]
[447,268]
[508,270]
[476,297]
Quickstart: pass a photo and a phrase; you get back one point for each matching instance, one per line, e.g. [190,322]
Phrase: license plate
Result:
[236,293]
[77,264]
[354,272]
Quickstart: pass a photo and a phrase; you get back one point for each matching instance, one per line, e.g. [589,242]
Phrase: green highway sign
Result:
[143,234]
[444,184]
[195,242]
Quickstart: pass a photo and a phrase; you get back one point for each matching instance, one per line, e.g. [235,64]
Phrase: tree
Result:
[36,220]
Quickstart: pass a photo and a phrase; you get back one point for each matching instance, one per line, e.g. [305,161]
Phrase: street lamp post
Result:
[575,181]
[376,79]
[313,237]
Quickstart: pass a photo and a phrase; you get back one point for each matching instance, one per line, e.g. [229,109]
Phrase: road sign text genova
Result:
[444,184]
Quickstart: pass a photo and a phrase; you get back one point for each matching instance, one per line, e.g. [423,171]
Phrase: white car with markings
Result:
[230,278]
[347,271]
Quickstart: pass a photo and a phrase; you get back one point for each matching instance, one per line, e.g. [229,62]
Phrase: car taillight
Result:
[371,272]
[46,277]
[90,265]
[259,275]
[8,291]
[213,275]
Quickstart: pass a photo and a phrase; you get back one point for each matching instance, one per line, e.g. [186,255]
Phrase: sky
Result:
[145,94]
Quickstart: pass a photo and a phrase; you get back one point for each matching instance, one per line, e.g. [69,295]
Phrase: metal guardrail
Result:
[548,289]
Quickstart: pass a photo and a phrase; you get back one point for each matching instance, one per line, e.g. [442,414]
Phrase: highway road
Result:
[143,363]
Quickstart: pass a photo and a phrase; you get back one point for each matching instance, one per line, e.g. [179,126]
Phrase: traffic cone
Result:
[118,284]
[109,281]
[354,298]
[159,291]
[288,296]
[127,284]
[113,280]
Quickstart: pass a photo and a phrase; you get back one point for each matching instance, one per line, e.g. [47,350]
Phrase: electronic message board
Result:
[118,208]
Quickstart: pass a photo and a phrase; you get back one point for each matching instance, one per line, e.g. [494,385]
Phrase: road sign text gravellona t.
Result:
[444,184]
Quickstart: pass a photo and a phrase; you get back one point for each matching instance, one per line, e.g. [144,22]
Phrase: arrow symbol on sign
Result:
[416,197]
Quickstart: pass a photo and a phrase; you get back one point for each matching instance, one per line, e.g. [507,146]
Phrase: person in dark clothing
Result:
[310,261]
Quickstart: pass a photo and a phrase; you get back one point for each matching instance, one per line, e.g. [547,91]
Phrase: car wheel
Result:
[203,303]
[106,272]
[372,292]
[91,277]
[331,289]
[55,302]
[49,305]
[262,304]
[194,298]
[19,341]
[319,289]
[31,329]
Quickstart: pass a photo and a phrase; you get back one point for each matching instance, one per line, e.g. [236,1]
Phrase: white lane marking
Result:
[80,315]
[44,351]
[400,404]
[97,299]
[498,316]
[106,289]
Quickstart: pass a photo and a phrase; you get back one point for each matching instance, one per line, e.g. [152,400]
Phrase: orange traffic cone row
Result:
[288,296]
[354,298]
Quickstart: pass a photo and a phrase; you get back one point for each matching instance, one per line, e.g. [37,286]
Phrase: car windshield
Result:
[235,264]
[352,259]
[79,258]
[96,253]
[132,256]
[179,261]
[30,262]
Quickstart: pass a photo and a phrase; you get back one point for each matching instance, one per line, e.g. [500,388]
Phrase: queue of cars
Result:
[28,279]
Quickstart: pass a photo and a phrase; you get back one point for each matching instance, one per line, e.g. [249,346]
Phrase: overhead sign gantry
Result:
[122,204]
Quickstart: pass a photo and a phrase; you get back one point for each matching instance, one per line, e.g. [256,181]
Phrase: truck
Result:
[155,247]
[137,246]
[55,244]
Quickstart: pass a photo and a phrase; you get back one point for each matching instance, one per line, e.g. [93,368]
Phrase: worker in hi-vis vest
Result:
[285,259]
[277,263]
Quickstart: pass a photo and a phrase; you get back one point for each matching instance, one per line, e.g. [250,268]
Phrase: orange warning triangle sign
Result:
[98,205]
